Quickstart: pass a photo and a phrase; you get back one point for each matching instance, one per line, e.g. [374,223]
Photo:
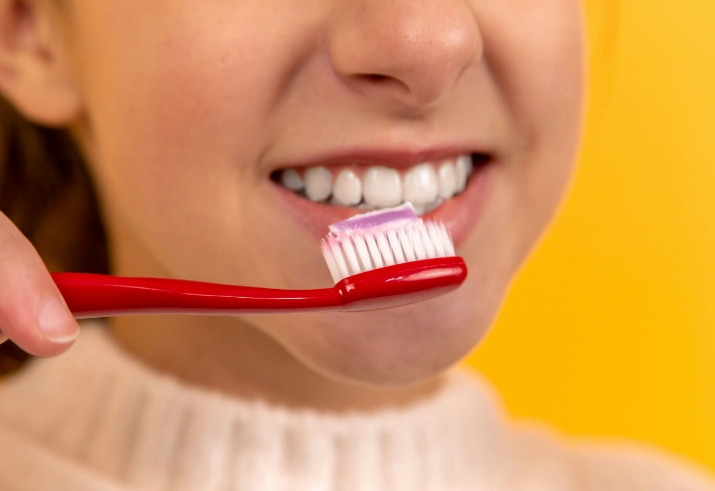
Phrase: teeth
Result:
[447,180]
[421,185]
[292,180]
[318,183]
[422,209]
[382,187]
[426,186]
[347,190]
[464,169]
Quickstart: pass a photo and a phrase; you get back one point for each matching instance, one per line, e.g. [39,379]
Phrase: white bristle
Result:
[385,250]
[407,246]
[437,240]
[420,250]
[338,255]
[374,251]
[356,251]
[396,247]
[427,241]
[330,259]
[349,251]
[361,247]
[447,237]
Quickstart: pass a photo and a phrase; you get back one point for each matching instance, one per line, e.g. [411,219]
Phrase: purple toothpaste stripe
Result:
[375,219]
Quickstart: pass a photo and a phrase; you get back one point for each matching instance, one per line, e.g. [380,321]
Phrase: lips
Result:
[448,188]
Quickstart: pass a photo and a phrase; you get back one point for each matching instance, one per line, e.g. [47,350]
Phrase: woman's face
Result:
[193,108]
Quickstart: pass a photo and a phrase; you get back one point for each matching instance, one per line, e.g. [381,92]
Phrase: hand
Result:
[32,312]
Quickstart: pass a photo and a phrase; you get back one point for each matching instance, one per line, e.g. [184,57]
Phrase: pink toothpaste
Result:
[400,216]
[383,238]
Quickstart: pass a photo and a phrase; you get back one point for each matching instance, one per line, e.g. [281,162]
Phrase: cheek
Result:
[179,116]
[219,72]
[537,59]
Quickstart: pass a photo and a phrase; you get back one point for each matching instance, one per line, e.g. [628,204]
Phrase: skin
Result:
[185,107]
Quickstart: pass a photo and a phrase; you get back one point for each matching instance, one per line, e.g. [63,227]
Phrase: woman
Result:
[195,120]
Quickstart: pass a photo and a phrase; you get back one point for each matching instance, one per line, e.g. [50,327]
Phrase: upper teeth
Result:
[463,168]
[382,187]
[292,180]
[425,185]
[421,185]
[318,183]
[347,190]
[447,181]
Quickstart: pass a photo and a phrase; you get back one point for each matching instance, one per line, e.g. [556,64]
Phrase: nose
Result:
[409,51]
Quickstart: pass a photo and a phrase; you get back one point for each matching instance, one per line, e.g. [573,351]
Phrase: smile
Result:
[425,185]
[449,187]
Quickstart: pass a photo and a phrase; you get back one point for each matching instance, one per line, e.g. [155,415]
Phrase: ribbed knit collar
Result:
[105,411]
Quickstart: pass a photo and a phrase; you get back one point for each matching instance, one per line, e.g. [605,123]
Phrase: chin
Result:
[390,348]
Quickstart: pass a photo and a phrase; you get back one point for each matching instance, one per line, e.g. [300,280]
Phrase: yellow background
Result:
[610,328]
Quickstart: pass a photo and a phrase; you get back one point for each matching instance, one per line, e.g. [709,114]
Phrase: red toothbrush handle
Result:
[90,295]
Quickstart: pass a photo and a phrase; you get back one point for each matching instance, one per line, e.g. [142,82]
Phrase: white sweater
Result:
[96,419]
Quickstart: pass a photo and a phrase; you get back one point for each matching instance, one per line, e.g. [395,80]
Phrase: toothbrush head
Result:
[390,258]
[383,238]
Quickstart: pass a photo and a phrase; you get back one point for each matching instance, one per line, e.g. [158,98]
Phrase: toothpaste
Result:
[398,217]
[383,238]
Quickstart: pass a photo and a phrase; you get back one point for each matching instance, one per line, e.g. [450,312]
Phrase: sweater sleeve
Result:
[629,467]
[540,459]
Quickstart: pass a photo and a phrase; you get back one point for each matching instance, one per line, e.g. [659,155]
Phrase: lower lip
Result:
[461,213]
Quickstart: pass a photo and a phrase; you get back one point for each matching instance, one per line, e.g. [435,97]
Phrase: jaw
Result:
[394,348]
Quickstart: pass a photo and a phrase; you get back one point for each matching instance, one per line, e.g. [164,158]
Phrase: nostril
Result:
[376,77]
[381,80]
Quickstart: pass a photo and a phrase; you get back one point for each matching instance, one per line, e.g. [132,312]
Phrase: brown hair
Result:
[46,190]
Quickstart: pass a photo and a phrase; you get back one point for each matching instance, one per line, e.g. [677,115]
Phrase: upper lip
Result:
[388,157]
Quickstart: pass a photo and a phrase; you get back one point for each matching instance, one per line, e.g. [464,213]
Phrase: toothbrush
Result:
[378,260]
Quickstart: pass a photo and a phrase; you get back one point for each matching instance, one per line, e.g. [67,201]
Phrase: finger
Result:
[32,312]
